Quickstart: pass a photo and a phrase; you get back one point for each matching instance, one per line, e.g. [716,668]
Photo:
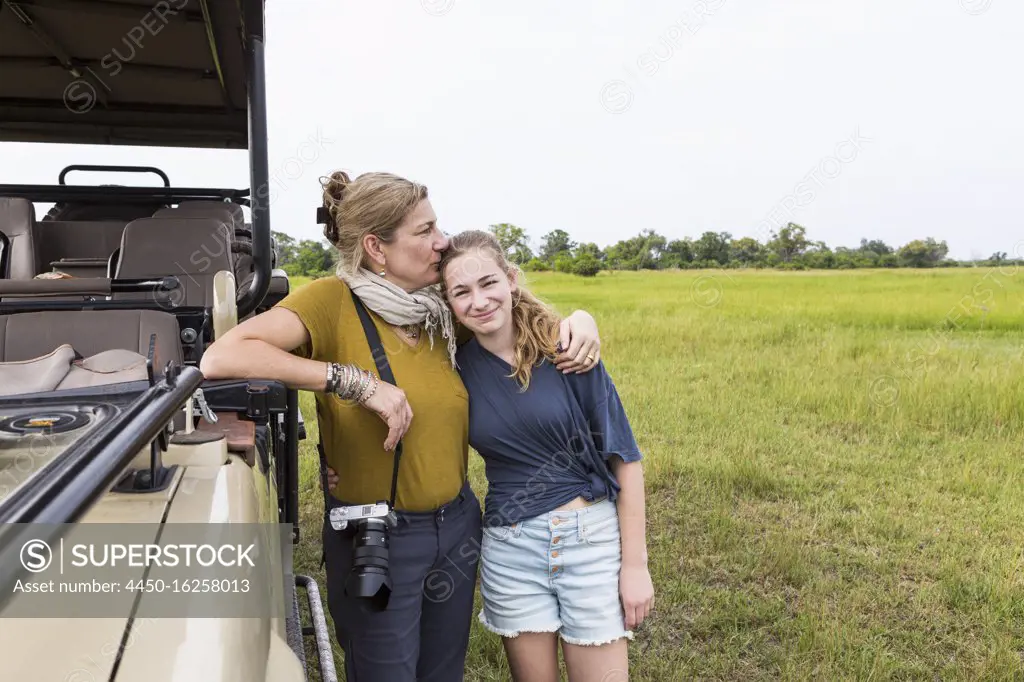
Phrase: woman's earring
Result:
[382,273]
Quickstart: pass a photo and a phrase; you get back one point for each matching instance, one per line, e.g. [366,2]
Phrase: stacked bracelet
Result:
[373,389]
[350,383]
[331,384]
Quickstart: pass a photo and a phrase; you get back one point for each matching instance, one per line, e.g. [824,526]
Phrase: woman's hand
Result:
[637,593]
[332,479]
[391,405]
[580,343]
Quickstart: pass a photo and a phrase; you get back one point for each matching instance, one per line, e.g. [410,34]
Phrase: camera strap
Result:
[380,358]
[384,370]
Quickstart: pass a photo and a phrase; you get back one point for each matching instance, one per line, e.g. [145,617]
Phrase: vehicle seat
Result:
[64,368]
[25,336]
[241,234]
[81,248]
[17,217]
[193,249]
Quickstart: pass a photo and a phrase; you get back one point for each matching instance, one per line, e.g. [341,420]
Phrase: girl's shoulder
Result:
[592,387]
[467,352]
[595,377]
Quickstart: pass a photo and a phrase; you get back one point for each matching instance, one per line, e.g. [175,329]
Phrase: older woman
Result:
[389,248]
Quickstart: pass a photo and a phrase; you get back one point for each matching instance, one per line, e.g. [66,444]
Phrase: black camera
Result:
[369,577]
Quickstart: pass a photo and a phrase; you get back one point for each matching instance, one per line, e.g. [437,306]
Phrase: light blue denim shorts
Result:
[556,572]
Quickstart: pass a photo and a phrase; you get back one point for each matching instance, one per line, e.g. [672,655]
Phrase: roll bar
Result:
[96,286]
[113,169]
[259,170]
[144,195]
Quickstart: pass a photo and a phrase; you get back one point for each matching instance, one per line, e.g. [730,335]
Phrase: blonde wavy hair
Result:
[373,203]
[536,323]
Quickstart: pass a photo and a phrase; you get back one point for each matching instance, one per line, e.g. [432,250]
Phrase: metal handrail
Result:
[66,488]
[113,169]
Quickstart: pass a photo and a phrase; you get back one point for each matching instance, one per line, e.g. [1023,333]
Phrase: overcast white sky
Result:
[604,117]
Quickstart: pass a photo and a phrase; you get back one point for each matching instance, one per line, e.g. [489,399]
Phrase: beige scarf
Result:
[395,305]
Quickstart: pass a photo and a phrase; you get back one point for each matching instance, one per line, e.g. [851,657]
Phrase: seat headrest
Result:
[151,247]
[16,215]
[17,220]
[229,213]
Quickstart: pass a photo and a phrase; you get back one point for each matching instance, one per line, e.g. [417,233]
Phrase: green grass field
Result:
[834,467]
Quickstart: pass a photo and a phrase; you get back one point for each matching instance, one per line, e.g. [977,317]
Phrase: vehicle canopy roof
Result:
[169,73]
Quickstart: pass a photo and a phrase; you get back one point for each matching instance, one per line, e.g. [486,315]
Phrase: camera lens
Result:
[369,578]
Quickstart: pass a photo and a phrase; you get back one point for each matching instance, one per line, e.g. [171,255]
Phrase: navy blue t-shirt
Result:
[547,445]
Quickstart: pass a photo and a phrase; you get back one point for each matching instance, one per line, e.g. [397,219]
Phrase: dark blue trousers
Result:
[423,634]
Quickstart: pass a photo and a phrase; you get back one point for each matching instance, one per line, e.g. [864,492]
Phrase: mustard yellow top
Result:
[435,450]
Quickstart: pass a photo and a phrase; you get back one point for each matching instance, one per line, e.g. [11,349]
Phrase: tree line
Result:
[787,248]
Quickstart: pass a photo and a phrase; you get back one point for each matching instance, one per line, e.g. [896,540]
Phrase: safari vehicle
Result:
[107,302]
